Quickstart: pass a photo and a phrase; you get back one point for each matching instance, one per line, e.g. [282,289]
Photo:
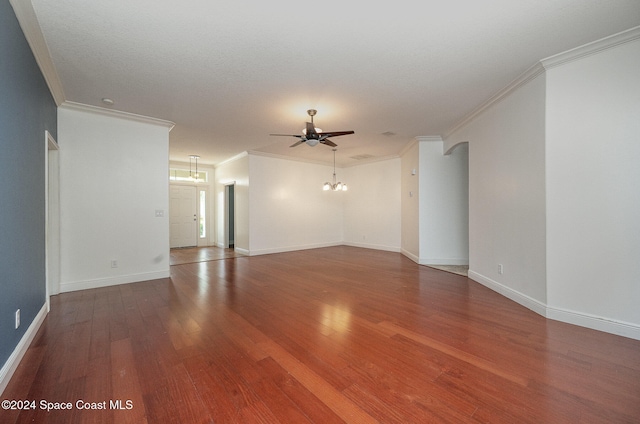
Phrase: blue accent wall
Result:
[27,109]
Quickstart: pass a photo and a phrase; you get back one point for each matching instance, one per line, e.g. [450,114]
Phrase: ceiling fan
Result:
[312,135]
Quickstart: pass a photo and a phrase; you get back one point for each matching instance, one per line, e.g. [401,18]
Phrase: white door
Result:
[183,219]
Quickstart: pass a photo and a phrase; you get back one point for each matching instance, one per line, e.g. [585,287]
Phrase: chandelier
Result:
[335,186]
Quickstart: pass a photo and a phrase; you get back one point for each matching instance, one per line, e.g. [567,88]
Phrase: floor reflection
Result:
[187,255]
[336,317]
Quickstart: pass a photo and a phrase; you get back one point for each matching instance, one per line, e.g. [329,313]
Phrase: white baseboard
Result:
[18,353]
[410,255]
[443,261]
[292,248]
[241,251]
[372,246]
[430,261]
[581,319]
[619,328]
[112,281]
[524,300]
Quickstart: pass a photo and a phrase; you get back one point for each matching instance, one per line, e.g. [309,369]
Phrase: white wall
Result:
[372,211]
[235,170]
[409,197]
[113,178]
[593,188]
[444,204]
[554,187]
[289,209]
[507,194]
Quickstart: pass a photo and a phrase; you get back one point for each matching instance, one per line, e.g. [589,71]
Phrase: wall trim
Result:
[410,255]
[544,64]
[592,48]
[520,298]
[113,281]
[9,368]
[232,159]
[408,147]
[117,114]
[320,162]
[32,32]
[293,248]
[369,161]
[527,76]
[373,246]
[290,158]
[594,322]
[443,261]
[428,138]
[238,249]
[558,314]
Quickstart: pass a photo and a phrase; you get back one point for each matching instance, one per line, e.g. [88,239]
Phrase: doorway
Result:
[229,215]
[52,218]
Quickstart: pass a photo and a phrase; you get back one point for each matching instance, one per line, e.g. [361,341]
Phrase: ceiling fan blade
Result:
[335,133]
[297,143]
[288,135]
[328,142]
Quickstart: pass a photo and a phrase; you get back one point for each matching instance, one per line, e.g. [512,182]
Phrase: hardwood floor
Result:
[330,335]
[186,255]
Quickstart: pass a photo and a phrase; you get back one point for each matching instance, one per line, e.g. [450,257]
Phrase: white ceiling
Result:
[229,73]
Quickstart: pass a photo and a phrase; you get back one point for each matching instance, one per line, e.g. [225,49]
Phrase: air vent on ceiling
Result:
[361,157]
[388,133]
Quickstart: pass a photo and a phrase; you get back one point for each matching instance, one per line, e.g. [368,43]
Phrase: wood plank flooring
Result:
[330,335]
[186,255]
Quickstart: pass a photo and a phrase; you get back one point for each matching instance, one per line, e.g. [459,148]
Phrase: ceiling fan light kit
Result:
[312,135]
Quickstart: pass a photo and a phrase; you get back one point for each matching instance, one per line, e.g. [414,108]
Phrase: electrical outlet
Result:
[114,263]
[500,269]
[17,318]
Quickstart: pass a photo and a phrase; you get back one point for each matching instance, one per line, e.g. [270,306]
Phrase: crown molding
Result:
[31,28]
[277,156]
[232,159]
[527,76]
[591,48]
[408,147]
[416,140]
[428,138]
[116,114]
[545,64]
[370,160]
[319,162]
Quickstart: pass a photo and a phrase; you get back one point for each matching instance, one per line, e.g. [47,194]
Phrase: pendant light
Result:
[194,177]
[335,186]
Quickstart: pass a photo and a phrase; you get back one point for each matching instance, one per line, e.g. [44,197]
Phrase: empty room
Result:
[285,212]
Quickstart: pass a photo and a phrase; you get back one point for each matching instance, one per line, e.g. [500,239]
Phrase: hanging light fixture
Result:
[195,177]
[335,186]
